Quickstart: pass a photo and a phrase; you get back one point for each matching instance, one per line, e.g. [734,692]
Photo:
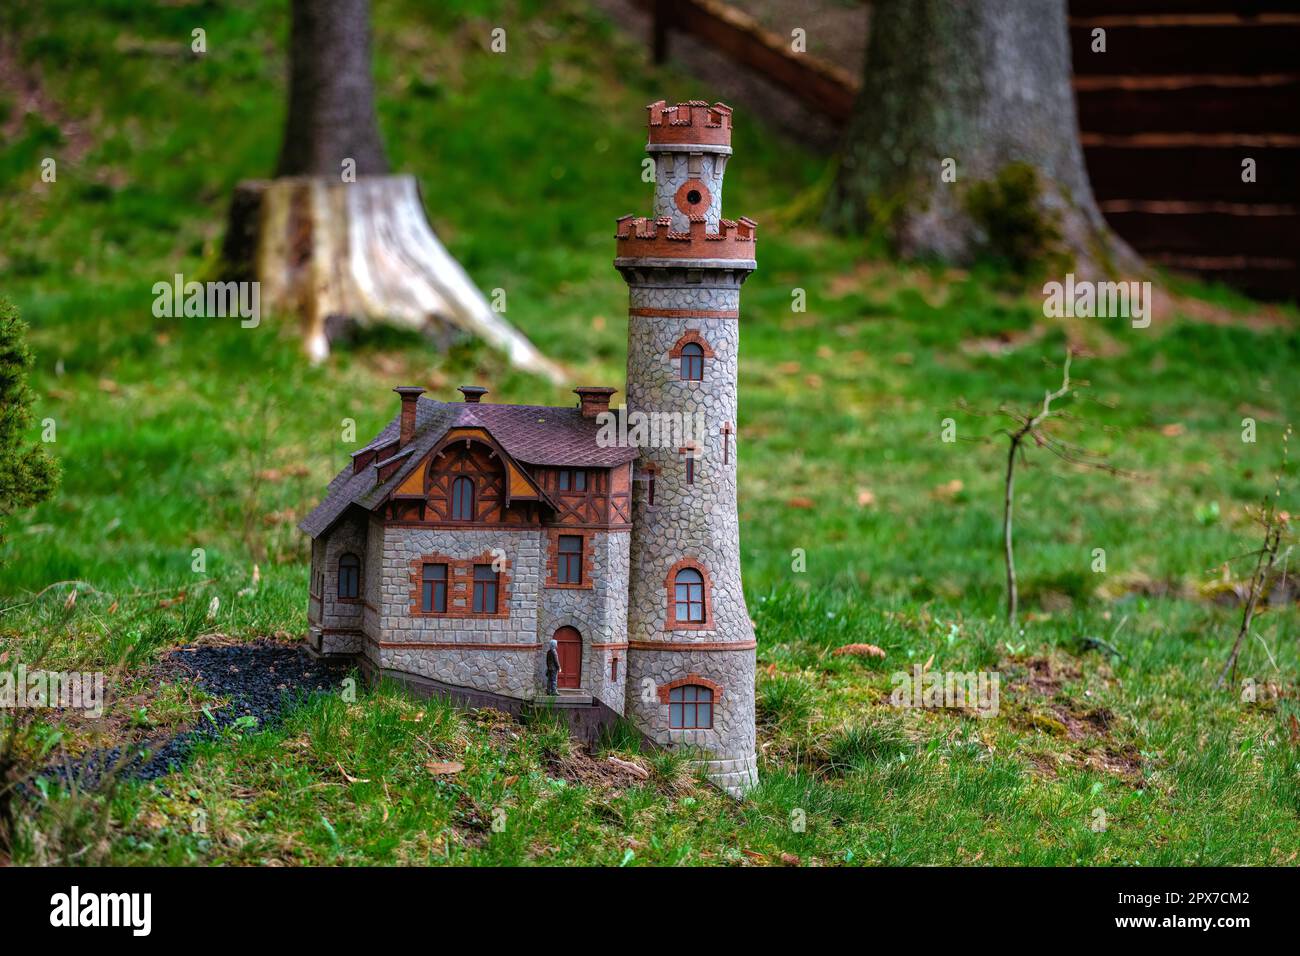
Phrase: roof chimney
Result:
[472,393]
[593,400]
[410,395]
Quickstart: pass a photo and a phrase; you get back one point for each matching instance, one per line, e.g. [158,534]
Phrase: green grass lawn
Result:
[184,434]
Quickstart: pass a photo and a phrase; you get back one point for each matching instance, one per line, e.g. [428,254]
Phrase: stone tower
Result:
[690,657]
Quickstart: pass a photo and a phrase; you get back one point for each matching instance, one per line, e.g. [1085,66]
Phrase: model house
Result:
[468,534]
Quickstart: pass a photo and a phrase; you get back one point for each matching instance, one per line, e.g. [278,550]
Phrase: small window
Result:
[613,669]
[349,577]
[692,367]
[433,596]
[689,596]
[571,480]
[569,565]
[690,468]
[690,707]
[462,499]
[485,589]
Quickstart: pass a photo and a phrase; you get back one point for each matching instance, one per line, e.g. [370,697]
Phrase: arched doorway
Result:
[569,647]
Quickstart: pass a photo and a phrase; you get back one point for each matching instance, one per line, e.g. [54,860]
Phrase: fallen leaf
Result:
[444,769]
[112,608]
[1172,430]
[949,489]
[789,859]
[926,668]
[510,781]
[71,600]
[754,855]
[1295,731]
[858,650]
[110,386]
[801,503]
[866,497]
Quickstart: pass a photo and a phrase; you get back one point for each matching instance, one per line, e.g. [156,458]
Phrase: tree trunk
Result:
[333,238]
[331,115]
[985,83]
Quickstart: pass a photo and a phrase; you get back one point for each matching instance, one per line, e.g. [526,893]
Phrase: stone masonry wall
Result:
[694,522]
[672,172]
[512,667]
[339,627]
[600,615]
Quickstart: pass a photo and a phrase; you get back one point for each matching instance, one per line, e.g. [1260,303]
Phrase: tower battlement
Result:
[694,123]
[654,237]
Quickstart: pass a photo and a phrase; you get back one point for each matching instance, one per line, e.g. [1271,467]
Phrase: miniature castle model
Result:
[467,535]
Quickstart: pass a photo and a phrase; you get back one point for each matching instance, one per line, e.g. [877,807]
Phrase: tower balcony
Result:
[643,238]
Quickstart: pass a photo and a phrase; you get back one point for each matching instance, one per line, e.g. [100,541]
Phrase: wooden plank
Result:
[1193,173]
[1244,8]
[1267,279]
[1210,233]
[1187,50]
[1271,108]
[821,85]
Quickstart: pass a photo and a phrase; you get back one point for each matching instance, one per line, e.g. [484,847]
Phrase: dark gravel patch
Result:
[260,680]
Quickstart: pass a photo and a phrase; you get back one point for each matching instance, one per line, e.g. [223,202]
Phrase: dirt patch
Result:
[1080,726]
[1043,676]
[24,85]
[252,681]
[583,768]
[1124,762]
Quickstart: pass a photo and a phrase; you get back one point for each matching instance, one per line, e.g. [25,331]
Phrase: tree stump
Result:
[356,254]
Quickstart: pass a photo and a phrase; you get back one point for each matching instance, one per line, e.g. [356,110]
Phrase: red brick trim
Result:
[688,207]
[671,623]
[460,587]
[692,645]
[613,646]
[553,559]
[714,686]
[691,335]
[639,237]
[694,121]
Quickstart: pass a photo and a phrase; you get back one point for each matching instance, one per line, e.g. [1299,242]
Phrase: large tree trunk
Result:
[331,95]
[985,83]
[333,238]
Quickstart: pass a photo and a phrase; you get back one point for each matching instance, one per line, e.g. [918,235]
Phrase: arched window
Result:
[690,707]
[688,595]
[692,368]
[462,499]
[349,577]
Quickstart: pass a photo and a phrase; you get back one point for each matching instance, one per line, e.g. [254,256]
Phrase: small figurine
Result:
[552,667]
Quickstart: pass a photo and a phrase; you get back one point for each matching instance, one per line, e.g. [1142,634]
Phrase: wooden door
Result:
[569,643]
